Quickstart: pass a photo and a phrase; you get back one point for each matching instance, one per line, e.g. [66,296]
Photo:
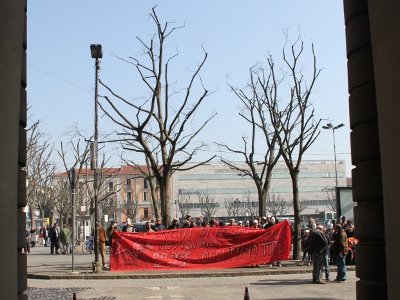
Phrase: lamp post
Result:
[72,178]
[333,128]
[97,53]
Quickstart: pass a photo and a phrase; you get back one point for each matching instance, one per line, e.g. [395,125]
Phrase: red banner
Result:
[200,248]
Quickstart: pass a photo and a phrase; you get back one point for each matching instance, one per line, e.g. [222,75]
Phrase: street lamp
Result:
[333,128]
[97,53]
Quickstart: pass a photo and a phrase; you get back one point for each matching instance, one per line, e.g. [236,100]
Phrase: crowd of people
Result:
[189,222]
[321,245]
[326,246]
[58,239]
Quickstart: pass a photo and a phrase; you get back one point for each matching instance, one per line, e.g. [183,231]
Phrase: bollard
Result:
[74,297]
[246,294]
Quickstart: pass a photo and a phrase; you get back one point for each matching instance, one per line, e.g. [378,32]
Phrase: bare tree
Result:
[302,206]
[46,195]
[297,123]
[183,204]
[233,207]
[161,133]
[147,174]
[249,209]
[39,171]
[330,195]
[62,201]
[129,205]
[78,154]
[257,98]
[79,149]
[277,206]
[207,205]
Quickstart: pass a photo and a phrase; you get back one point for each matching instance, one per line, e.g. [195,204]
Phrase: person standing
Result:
[159,226]
[318,244]
[54,239]
[102,244]
[305,247]
[174,224]
[340,249]
[68,246]
[61,238]
[325,253]
[110,231]
[200,221]
[27,242]
[43,234]
[128,227]
[148,227]
[232,222]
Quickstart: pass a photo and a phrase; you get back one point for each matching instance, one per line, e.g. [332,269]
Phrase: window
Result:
[128,198]
[145,196]
[110,186]
[145,183]
[128,182]
[146,213]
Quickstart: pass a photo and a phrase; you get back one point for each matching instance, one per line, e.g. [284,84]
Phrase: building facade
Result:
[122,192]
[317,180]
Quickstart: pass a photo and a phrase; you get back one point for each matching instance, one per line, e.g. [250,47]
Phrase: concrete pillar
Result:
[366,157]
[13,39]
[385,40]
[373,47]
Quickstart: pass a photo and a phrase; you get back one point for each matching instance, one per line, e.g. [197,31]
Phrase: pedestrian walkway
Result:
[51,277]
[42,265]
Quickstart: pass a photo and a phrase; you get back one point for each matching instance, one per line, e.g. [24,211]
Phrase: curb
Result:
[164,275]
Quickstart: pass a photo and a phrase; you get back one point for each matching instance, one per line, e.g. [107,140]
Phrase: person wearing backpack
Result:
[318,246]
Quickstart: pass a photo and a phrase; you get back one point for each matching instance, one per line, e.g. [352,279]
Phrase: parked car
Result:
[139,226]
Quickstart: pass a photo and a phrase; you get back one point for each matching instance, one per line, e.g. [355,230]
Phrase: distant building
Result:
[124,186]
[120,190]
[220,183]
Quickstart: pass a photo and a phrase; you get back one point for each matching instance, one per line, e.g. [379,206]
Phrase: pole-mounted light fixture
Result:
[97,53]
[333,128]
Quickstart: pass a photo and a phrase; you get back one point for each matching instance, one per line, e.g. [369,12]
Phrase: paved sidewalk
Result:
[50,277]
[42,265]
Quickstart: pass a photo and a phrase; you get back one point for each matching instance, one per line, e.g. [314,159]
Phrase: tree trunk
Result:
[296,211]
[262,196]
[165,200]
[32,217]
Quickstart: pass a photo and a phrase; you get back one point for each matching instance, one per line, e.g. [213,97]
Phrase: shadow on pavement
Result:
[282,282]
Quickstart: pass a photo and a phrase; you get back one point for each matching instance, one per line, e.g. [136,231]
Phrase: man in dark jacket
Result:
[319,249]
[54,239]
[159,225]
[174,224]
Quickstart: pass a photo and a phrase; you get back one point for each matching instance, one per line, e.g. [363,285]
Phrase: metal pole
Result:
[95,183]
[73,226]
[71,178]
[334,152]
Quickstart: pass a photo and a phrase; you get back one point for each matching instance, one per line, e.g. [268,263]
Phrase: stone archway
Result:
[373,43]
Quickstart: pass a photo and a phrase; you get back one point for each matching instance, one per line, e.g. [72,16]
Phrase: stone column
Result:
[13,37]
[365,153]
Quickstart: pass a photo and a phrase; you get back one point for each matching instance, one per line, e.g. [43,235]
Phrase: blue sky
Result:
[235,34]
